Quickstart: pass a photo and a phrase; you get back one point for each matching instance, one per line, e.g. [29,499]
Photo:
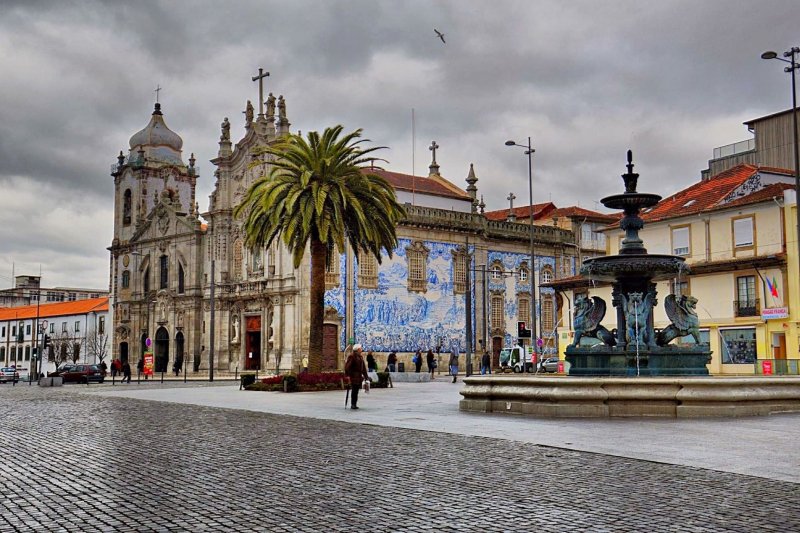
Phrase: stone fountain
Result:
[634,347]
[633,369]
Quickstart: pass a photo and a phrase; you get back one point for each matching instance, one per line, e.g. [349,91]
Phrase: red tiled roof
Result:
[539,211]
[579,212]
[710,194]
[436,186]
[78,307]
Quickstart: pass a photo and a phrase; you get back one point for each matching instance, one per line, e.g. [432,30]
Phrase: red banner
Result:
[148,363]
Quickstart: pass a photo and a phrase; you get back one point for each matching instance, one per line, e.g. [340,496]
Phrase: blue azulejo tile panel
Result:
[393,318]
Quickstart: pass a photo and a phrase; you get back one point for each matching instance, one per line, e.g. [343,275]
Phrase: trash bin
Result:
[401,367]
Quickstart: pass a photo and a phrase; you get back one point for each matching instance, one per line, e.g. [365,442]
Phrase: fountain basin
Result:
[631,200]
[659,361]
[654,267]
[678,397]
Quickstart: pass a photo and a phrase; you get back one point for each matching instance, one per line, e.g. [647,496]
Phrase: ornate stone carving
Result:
[681,311]
[589,312]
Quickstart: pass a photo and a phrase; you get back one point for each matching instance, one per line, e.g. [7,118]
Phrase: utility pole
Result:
[468,310]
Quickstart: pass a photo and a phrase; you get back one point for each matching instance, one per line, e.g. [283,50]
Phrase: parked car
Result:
[549,365]
[59,371]
[82,374]
[9,374]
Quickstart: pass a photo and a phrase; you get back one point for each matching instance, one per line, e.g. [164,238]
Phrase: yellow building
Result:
[737,232]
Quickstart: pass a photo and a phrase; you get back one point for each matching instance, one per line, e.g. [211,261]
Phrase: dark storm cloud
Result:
[586,80]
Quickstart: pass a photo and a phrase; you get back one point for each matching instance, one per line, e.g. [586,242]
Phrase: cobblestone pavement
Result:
[77,462]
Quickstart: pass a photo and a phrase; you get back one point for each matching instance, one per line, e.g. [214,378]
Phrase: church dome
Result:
[162,141]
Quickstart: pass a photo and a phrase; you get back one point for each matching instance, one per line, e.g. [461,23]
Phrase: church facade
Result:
[183,282]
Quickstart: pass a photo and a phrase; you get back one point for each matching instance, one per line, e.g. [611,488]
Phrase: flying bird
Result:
[439,34]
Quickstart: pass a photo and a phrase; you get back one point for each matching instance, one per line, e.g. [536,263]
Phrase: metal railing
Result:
[780,367]
[734,148]
[750,307]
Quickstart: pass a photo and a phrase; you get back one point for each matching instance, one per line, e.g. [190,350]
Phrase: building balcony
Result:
[744,308]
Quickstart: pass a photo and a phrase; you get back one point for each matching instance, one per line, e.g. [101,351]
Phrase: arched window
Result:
[146,280]
[164,272]
[126,279]
[547,274]
[181,279]
[126,207]
[523,273]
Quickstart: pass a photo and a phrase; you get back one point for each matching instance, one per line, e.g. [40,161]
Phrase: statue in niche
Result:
[589,312]
[162,311]
[179,319]
[637,307]
[270,105]
[681,312]
[248,114]
[226,131]
[235,329]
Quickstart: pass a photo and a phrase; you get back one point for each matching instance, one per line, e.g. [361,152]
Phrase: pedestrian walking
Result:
[176,367]
[372,364]
[126,372]
[140,367]
[391,361]
[454,363]
[417,361]
[356,370]
[486,363]
[431,360]
[103,368]
[114,368]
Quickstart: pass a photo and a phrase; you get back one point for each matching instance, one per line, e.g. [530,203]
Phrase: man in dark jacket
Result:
[356,370]
[391,362]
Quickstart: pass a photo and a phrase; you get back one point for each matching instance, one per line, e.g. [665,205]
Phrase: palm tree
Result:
[320,192]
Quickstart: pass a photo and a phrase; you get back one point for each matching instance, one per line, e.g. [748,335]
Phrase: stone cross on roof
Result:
[434,167]
[260,80]
[511,216]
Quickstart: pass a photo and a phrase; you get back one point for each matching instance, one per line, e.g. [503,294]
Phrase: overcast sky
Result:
[585,80]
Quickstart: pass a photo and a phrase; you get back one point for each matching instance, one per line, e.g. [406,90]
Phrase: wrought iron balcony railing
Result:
[750,307]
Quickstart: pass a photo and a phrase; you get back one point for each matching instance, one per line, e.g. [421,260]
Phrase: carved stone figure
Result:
[682,314]
[270,105]
[235,329]
[637,308]
[589,312]
[248,114]
[226,130]
[281,108]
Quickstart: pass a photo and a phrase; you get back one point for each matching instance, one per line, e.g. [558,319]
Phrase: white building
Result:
[77,332]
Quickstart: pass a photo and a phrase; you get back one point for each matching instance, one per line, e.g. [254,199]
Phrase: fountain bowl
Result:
[654,267]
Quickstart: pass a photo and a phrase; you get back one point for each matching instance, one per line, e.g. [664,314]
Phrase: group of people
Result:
[118,368]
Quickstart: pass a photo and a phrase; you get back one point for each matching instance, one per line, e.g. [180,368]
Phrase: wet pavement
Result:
[87,459]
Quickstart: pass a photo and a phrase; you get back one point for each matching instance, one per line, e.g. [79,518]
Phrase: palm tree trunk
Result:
[319,252]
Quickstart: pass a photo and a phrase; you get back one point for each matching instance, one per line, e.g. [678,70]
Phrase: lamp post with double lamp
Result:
[792,55]
[529,152]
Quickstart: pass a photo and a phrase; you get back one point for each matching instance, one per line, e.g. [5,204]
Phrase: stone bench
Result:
[55,381]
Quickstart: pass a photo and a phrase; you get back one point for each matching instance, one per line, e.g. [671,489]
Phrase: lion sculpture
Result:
[589,312]
[682,314]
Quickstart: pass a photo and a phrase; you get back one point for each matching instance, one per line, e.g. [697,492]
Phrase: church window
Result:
[417,258]
[523,273]
[548,312]
[146,280]
[459,270]
[332,269]
[524,308]
[497,317]
[367,271]
[126,279]
[181,279]
[496,271]
[164,272]
[238,253]
[547,274]
[126,207]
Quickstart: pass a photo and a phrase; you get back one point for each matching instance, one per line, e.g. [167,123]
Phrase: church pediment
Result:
[164,220]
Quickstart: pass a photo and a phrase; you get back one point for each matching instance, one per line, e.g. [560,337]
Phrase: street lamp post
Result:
[529,152]
[792,55]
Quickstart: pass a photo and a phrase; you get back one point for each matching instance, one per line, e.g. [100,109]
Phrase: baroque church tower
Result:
[155,267]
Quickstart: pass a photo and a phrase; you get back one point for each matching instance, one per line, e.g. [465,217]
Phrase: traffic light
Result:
[522,331]
[46,342]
